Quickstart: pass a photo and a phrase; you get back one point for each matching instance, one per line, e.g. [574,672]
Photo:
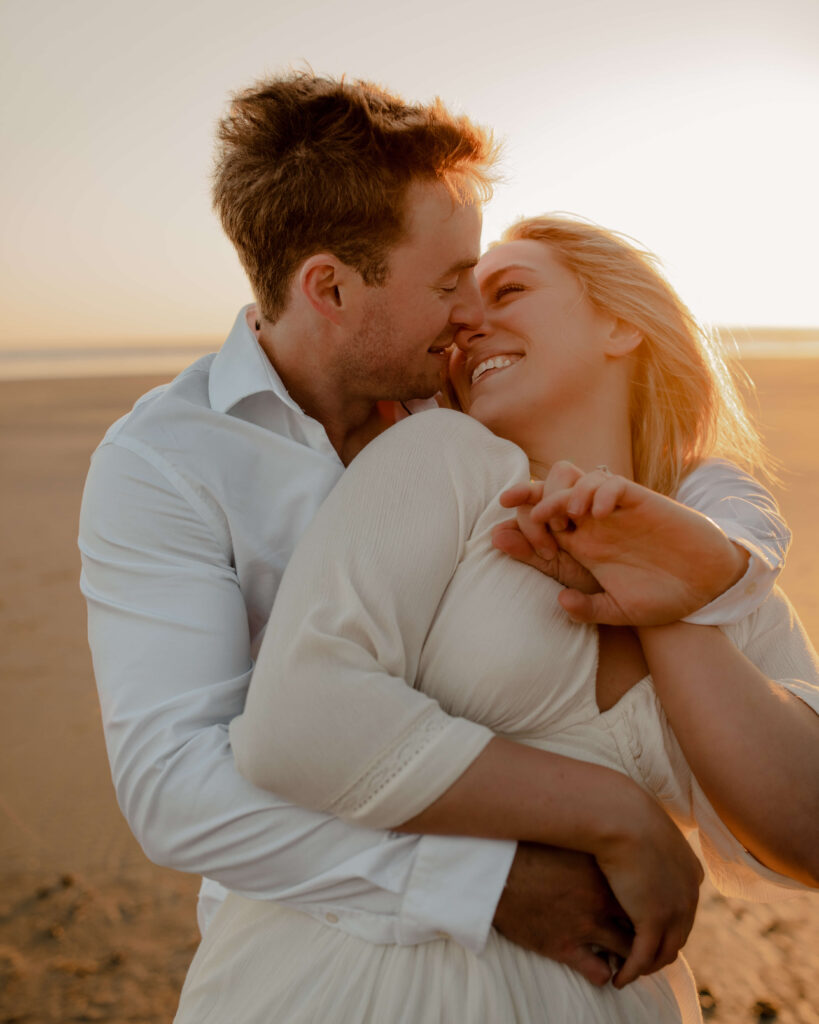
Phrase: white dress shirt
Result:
[748,514]
[193,505]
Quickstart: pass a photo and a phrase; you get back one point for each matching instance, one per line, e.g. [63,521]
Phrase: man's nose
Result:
[468,311]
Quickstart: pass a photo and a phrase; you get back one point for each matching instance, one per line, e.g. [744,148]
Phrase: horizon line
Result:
[160,357]
[80,346]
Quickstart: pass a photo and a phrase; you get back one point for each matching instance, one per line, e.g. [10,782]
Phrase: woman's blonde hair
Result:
[686,403]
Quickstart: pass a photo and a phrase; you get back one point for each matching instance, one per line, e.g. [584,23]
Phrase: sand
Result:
[89,930]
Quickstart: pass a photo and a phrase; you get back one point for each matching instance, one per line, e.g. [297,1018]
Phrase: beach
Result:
[89,929]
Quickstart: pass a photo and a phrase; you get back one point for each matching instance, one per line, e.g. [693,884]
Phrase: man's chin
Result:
[423,388]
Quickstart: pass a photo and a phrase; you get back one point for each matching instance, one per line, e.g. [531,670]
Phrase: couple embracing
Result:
[442,755]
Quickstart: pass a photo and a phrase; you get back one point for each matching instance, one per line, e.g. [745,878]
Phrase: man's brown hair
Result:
[308,164]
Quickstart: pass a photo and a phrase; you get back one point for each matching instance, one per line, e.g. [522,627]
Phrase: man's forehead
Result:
[430,207]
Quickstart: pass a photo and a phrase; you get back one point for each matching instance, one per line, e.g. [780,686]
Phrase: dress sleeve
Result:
[332,720]
[748,515]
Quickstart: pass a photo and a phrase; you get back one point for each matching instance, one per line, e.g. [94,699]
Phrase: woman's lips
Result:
[492,363]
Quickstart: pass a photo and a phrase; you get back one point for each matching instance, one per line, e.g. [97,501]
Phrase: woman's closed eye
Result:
[505,289]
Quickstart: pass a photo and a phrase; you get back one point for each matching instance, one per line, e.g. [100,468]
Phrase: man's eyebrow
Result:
[460,266]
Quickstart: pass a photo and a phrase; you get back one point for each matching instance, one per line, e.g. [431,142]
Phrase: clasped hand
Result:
[627,555]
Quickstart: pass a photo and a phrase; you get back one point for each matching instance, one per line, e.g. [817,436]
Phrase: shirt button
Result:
[331,918]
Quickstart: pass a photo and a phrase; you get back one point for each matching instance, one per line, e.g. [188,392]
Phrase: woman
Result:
[398,581]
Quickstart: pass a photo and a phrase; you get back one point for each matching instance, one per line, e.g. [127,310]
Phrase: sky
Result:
[691,126]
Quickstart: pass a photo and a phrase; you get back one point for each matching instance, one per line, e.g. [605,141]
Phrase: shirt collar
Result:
[241,368]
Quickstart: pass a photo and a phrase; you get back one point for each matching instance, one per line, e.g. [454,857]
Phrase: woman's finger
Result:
[608,496]
[597,493]
[656,945]
[552,507]
[594,968]
[522,494]
[643,956]
[586,488]
[583,492]
[614,940]
[671,946]
[675,939]
[563,474]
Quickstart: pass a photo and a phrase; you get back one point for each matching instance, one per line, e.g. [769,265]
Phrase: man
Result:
[357,219]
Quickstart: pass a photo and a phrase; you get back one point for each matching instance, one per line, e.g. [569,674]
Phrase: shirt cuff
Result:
[748,593]
[454,889]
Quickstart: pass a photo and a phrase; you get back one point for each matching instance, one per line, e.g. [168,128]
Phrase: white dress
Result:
[397,580]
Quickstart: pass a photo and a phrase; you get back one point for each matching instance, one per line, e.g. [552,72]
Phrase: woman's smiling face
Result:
[541,347]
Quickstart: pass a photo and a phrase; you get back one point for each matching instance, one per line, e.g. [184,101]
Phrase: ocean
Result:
[103,359]
[170,356]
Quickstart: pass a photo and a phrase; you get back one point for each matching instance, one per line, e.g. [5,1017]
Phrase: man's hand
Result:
[559,904]
[656,560]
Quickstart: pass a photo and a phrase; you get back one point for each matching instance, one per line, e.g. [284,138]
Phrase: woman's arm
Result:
[752,745]
[514,791]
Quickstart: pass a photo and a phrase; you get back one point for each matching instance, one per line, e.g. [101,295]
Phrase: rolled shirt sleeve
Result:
[748,514]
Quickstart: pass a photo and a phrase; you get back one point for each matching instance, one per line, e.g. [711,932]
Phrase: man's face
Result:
[399,349]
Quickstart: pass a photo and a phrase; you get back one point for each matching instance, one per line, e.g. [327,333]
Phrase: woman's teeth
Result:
[490,364]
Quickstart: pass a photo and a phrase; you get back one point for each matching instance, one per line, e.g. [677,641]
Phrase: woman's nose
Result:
[466,336]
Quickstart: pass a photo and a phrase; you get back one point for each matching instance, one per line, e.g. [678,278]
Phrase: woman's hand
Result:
[656,560]
[655,877]
[513,791]
[532,541]
[558,903]
[534,544]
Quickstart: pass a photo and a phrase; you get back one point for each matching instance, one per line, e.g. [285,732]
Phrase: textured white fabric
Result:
[412,589]
[396,579]
[272,964]
[193,504]
[748,514]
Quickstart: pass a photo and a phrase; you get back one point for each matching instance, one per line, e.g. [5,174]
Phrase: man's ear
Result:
[327,284]
[623,338]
